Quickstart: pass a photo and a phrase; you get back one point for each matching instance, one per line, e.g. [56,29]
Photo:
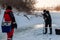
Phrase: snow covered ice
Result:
[32,29]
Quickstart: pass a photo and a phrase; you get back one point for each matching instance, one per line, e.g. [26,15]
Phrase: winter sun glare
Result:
[46,3]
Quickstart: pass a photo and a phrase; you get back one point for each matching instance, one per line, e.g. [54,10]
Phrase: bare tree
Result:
[21,5]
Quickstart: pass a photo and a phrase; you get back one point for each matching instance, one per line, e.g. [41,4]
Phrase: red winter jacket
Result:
[8,16]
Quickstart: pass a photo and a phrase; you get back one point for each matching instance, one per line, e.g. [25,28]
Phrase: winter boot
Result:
[45,31]
[50,30]
[9,39]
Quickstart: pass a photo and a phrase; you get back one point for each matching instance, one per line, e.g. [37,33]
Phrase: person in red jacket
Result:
[8,16]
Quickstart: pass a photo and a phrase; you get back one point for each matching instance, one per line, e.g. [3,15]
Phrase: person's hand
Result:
[14,25]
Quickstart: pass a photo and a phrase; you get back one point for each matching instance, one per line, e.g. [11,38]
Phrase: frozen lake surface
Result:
[32,29]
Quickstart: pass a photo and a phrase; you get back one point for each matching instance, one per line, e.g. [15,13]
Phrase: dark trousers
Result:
[50,27]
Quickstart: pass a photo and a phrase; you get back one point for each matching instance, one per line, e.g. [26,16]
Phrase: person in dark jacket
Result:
[8,16]
[47,20]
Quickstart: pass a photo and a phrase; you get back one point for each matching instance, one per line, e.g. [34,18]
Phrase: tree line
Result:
[21,5]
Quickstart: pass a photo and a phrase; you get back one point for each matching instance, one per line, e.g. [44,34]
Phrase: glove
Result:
[14,25]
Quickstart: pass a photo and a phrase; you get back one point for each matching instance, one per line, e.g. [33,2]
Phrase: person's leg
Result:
[45,31]
[10,35]
[50,27]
